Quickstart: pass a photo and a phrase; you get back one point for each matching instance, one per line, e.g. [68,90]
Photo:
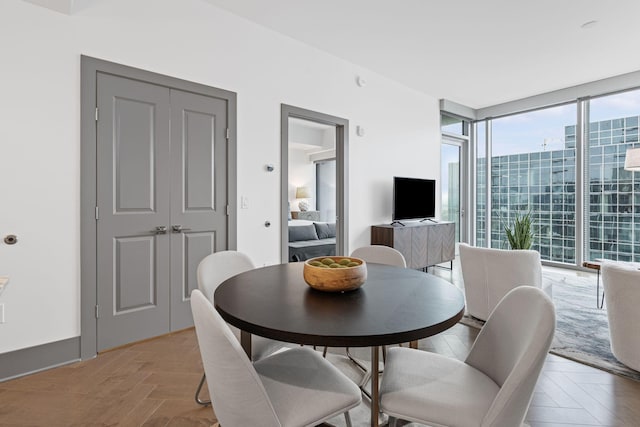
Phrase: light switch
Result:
[1,313]
[244,202]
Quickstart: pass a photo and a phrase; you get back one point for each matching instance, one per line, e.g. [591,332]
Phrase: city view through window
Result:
[533,169]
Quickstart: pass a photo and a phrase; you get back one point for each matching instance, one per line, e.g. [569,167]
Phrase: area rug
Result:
[582,329]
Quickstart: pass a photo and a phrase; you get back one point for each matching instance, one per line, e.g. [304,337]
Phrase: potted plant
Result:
[520,233]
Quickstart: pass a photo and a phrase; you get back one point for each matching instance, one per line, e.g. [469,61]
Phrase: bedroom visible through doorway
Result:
[313,184]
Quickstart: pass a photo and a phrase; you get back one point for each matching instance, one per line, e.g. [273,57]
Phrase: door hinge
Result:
[228,210]
[97,311]
[228,133]
[97,213]
[96,114]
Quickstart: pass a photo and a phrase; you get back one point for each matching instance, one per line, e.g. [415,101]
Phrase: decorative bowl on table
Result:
[335,273]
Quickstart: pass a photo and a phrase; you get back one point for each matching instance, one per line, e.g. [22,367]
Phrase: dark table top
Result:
[394,305]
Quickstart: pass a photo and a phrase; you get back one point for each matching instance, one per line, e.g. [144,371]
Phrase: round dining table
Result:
[394,305]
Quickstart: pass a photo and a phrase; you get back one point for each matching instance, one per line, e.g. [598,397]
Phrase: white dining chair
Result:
[493,387]
[380,254]
[215,269]
[294,388]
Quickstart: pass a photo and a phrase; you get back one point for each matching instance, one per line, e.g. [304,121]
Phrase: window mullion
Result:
[582,139]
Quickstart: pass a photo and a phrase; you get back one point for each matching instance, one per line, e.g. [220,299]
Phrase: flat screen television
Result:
[413,198]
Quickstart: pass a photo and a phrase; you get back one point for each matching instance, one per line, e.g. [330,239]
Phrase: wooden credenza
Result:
[423,244]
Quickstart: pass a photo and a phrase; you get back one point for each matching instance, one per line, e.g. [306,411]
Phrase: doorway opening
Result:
[453,174]
[314,174]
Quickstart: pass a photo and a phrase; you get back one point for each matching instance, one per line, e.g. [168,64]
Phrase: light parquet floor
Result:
[152,383]
[149,383]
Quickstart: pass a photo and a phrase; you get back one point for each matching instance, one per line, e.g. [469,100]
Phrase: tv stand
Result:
[422,244]
[396,222]
[429,219]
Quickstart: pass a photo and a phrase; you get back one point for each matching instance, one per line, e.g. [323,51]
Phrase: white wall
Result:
[40,133]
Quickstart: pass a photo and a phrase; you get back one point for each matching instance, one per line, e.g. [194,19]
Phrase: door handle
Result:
[178,228]
[161,229]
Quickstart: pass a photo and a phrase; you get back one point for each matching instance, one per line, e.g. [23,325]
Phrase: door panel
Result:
[419,247]
[196,246]
[134,285]
[454,190]
[197,144]
[441,243]
[199,192]
[132,198]
[134,146]
[402,242]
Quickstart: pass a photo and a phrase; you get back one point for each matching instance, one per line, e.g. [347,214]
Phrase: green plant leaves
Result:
[520,233]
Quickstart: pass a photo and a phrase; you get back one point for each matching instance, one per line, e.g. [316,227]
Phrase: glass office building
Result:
[544,183]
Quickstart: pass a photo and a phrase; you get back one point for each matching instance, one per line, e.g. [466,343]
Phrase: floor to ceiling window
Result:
[613,194]
[533,161]
[532,167]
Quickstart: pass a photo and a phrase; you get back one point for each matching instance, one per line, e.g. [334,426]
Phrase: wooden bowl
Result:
[335,279]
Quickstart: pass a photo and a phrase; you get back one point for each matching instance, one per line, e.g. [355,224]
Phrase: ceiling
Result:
[311,136]
[476,53]
[68,7]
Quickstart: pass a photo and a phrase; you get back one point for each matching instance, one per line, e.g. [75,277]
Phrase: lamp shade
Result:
[303,193]
[632,160]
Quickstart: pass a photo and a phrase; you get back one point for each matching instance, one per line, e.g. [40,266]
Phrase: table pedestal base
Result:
[375,383]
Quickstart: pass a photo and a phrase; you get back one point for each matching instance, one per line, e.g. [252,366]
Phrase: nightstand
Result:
[308,215]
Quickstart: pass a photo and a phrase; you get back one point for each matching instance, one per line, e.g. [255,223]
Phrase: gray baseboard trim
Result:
[39,358]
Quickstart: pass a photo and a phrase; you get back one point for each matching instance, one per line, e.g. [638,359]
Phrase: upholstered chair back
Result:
[380,254]
[511,349]
[239,397]
[218,267]
[489,274]
[215,269]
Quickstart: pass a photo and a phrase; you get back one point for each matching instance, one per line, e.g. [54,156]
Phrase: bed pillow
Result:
[325,230]
[302,232]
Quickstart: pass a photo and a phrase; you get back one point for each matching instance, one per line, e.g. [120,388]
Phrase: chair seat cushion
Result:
[432,389]
[295,377]
[260,347]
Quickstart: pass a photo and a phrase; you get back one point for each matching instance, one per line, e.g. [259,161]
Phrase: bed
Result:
[308,239]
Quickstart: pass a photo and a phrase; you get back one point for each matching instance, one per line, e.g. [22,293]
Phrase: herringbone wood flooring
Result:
[152,384]
[149,383]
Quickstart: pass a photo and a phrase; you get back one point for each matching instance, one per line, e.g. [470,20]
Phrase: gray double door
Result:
[161,204]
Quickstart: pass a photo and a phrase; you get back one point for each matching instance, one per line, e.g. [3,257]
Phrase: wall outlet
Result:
[1,313]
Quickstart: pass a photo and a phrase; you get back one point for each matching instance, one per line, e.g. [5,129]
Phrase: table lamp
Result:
[303,193]
[632,160]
